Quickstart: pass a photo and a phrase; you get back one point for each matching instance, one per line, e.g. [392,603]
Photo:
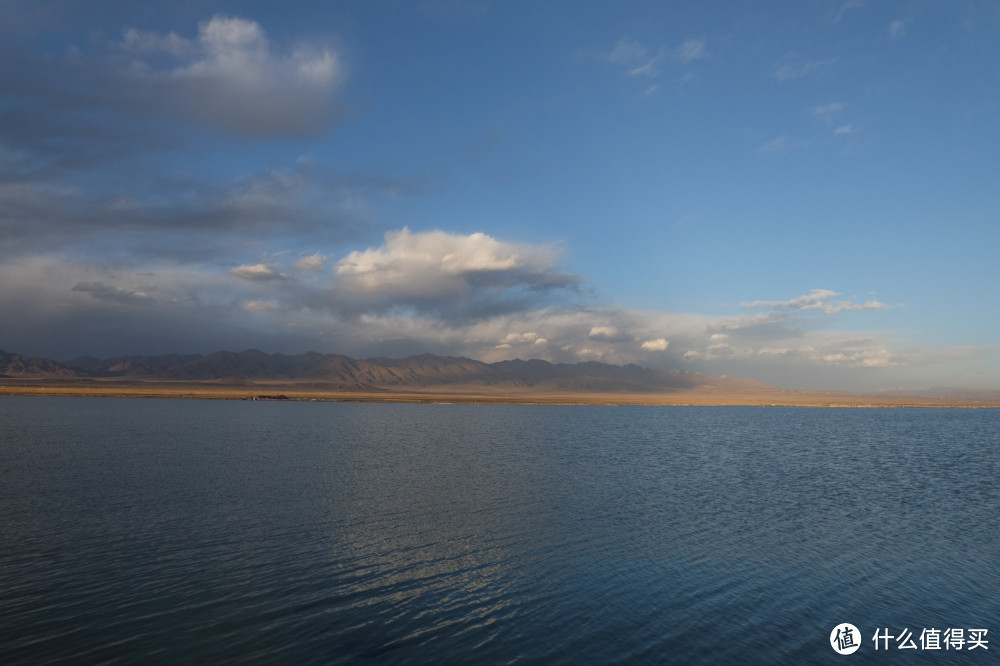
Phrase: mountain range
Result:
[343,373]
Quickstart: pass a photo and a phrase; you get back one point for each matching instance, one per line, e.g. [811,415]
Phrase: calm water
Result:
[170,531]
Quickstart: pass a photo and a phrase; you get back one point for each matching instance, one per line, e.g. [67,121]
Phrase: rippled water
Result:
[169,531]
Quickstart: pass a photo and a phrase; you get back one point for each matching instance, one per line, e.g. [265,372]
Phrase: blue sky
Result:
[801,193]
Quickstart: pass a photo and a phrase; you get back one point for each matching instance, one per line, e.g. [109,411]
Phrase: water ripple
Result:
[172,531]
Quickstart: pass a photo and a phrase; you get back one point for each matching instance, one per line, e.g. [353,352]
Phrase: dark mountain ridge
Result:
[15,365]
[346,373]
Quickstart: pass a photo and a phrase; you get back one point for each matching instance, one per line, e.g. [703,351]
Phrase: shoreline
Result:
[311,392]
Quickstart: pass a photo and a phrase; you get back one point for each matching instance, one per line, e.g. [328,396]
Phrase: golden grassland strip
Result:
[704,396]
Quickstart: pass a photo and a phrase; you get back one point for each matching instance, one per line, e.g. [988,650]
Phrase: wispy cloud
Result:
[830,115]
[112,293]
[792,66]
[827,112]
[632,56]
[817,299]
[846,7]
[691,49]
[897,29]
[641,60]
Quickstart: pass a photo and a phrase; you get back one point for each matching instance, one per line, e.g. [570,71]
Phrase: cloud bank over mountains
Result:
[466,295]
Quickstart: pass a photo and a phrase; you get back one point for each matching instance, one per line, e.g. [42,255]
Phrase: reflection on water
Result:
[175,531]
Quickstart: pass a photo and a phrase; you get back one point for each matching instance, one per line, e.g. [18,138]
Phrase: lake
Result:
[200,531]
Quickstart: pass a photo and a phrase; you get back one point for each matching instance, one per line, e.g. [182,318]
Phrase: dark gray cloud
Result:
[60,309]
[111,293]
[228,77]
[83,131]
[183,218]
[232,78]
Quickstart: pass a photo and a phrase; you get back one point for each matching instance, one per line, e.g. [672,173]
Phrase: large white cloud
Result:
[436,264]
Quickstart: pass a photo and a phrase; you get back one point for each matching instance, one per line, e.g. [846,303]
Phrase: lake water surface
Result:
[173,531]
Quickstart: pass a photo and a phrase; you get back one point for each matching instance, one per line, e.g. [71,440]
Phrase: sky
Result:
[802,193]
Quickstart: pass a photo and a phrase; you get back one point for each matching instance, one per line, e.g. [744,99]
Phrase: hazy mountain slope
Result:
[15,365]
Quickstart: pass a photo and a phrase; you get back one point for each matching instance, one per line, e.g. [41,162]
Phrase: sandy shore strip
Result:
[704,396]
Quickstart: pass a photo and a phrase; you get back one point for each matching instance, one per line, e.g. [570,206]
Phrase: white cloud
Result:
[435,263]
[229,76]
[519,337]
[314,263]
[608,333]
[258,272]
[598,332]
[878,358]
[659,344]
[814,299]
[845,130]
[527,342]
[647,69]
[897,29]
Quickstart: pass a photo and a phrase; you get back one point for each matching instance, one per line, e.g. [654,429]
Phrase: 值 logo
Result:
[845,638]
